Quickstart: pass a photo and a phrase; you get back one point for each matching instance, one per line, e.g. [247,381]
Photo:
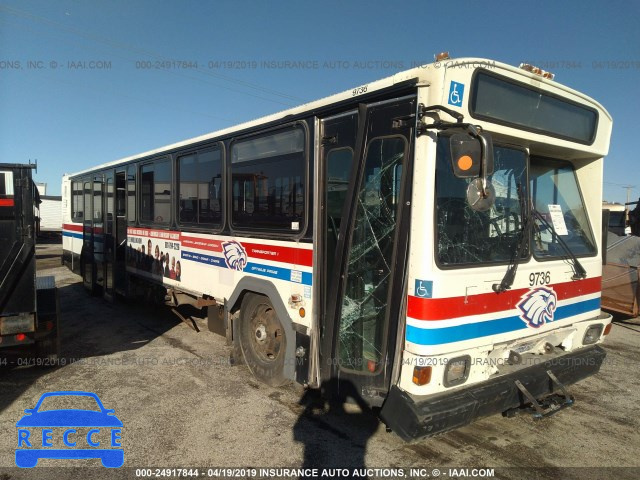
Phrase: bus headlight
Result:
[457,371]
[592,335]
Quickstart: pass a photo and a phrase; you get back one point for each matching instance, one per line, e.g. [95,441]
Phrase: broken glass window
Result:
[363,315]
[466,236]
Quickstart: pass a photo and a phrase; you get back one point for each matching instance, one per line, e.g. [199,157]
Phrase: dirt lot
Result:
[183,405]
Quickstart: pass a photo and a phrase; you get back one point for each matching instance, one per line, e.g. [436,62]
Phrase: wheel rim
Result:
[265,333]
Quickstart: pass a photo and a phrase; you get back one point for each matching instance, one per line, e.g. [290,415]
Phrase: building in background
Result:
[49,213]
[618,218]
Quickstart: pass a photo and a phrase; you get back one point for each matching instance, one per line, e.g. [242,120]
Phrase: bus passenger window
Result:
[268,175]
[97,201]
[131,193]
[110,195]
[87,193]
[200,188]
[156,192]
[77,204]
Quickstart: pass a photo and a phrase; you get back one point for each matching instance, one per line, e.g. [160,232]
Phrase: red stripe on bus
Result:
[72,227]
[291,255]
[80,228]
[297,256]
[201,243]
[6,202]
[430,309]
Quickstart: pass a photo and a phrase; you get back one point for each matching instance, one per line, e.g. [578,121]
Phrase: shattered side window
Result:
[362,323]
[466,236]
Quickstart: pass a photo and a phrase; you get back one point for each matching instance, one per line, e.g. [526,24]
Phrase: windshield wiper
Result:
[528,211]
[521,246]
[578,270]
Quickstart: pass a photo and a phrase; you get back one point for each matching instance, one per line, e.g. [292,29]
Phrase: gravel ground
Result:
[184,406]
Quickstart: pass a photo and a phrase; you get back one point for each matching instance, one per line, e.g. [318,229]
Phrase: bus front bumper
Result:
[413,417]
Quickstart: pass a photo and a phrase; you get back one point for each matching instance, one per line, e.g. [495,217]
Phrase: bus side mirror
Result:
[467,155]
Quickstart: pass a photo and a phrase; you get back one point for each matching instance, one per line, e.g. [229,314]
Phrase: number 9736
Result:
[539,278]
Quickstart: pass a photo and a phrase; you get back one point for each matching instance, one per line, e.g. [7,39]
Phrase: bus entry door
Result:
[365,160]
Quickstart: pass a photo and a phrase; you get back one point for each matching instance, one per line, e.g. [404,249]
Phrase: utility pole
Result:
[629,188]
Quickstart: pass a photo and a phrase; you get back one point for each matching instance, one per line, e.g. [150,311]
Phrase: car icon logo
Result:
[70,433]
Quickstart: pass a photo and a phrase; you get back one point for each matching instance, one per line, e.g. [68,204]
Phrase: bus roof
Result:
[422,75]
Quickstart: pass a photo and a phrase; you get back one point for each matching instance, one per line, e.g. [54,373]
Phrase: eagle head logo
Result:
[234,255]
[537,306]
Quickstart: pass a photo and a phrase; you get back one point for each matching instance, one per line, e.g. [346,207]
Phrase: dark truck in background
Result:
[29,305]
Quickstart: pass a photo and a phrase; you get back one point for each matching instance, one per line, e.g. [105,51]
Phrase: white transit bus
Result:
[430,242]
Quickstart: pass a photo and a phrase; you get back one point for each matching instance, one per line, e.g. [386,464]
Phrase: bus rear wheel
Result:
[262,339]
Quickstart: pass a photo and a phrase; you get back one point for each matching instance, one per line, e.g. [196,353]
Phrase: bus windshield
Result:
[466,236]
[556,197]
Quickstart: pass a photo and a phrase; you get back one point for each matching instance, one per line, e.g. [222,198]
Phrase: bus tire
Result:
[262,339]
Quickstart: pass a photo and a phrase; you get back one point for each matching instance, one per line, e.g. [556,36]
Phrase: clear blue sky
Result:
[72,118]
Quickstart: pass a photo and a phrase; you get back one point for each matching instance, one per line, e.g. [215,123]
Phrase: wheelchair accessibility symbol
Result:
[424,288]
[456,93]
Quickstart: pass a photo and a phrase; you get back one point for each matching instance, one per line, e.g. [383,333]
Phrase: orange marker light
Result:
[607,329]
[465,162]
[421,375]
[302,312]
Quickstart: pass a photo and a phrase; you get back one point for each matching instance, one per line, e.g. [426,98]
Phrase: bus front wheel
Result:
[262,339]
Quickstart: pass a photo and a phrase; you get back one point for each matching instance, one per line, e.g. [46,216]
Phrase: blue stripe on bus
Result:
[270,271]
[276,272]
[438,336]
[202,258]
[71,234]
[96,238]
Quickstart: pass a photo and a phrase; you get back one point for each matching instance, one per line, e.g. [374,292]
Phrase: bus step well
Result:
[550,404]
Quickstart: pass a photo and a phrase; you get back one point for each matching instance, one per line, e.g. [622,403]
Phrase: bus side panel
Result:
[213,265]
[72,245]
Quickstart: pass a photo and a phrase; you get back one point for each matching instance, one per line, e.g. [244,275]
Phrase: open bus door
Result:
[365,159]
[93,240]
[104,235]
